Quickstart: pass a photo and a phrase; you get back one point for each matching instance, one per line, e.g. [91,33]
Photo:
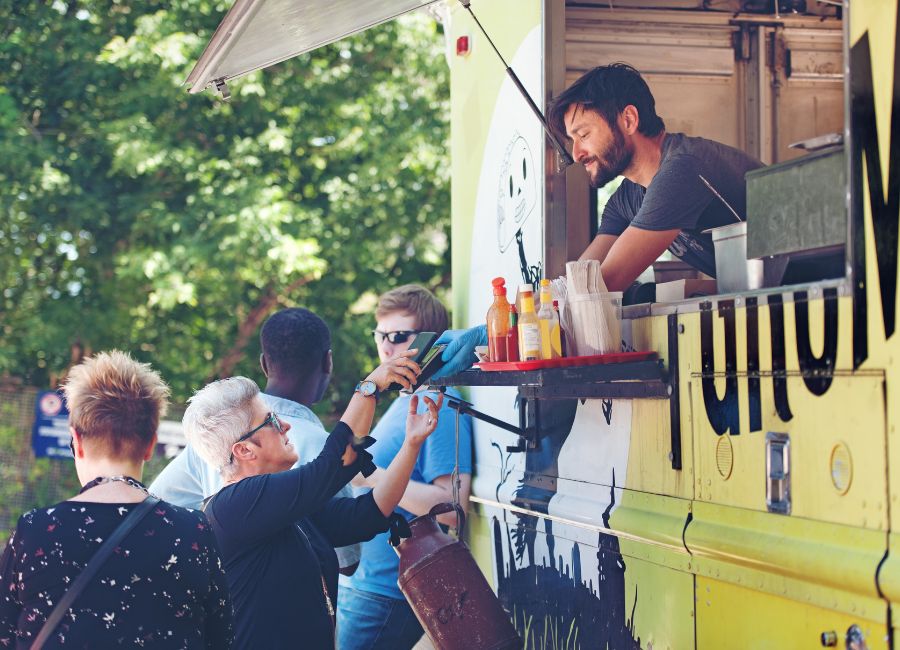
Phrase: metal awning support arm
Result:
[465,408]
[564,155]
[527,434]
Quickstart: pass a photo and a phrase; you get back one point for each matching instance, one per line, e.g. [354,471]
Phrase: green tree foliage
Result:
[135,215]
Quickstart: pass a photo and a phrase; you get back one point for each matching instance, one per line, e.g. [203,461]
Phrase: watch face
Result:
[367,388]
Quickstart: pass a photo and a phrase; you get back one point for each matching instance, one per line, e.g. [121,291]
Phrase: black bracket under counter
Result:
[628,380]
[644,379]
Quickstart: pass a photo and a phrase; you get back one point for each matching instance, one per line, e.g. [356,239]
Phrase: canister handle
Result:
[443,508]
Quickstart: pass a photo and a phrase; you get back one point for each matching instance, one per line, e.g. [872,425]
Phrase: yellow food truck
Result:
[737,491]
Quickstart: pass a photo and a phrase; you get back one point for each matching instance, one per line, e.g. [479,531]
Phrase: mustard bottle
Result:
[548,320]
[529,327]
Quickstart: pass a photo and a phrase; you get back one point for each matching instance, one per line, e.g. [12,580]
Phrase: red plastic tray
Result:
[566,362]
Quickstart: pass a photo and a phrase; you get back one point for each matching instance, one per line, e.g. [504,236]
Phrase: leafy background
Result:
[141,217]
[134,215]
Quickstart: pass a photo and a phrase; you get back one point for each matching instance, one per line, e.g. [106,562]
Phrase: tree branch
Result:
[251,322]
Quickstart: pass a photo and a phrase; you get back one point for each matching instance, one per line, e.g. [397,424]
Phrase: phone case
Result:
[431,365]
[423,342]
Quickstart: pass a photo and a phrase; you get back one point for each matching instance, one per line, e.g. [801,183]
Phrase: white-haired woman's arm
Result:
[393,481]
[400,369]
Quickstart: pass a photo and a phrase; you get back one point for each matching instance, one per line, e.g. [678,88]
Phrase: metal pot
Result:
[734,272]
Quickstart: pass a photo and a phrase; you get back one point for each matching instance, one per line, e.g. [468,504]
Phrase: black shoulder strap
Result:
[91,569]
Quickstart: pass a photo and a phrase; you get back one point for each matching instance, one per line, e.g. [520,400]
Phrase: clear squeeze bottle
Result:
[549,322]
[529,327]
[498,322]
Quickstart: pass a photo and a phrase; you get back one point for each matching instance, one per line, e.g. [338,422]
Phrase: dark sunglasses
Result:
[271,418]
[400,336]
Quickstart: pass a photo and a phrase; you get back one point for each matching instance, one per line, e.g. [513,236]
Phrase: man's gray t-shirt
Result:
[677,198]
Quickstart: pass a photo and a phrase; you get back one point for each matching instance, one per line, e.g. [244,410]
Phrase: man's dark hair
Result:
[294,340]
[607,90]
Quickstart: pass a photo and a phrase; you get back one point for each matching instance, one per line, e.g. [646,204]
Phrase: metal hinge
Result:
[222,89]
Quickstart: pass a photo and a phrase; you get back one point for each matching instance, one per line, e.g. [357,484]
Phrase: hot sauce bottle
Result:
[498,322]
[562,332]
[512,337]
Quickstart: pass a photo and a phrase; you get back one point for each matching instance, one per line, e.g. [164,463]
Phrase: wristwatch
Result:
[367,388]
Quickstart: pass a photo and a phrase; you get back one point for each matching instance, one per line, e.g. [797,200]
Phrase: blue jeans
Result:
[368,621]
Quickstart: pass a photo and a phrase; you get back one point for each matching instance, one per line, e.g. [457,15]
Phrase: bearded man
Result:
[609,116]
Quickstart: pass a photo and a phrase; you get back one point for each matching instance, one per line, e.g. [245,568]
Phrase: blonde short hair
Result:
[418,302]
[217,415]
[116,403]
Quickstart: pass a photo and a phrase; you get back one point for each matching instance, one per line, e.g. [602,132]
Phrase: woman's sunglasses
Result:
[400,336]
[271,418]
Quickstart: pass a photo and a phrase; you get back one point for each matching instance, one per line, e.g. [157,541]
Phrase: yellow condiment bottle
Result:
[529,327]
[551,346]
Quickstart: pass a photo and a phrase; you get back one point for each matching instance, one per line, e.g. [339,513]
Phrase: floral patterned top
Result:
[164,587]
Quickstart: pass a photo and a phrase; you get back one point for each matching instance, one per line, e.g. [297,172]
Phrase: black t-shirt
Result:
[277,533]
[163,587]
[677,198]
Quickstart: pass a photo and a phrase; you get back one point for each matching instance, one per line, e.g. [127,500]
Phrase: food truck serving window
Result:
[259,33]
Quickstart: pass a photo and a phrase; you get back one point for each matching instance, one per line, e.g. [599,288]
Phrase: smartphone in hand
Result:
[422,343]
[431,363]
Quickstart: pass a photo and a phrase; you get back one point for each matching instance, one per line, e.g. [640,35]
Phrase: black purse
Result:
[89,571]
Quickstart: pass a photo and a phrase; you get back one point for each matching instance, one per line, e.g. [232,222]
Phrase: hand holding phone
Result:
[422,343]
[430,364]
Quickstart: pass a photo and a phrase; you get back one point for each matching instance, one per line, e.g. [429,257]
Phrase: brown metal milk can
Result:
[448,592]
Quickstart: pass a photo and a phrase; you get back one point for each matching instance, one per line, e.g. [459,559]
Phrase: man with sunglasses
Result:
[372,613]
[297,362]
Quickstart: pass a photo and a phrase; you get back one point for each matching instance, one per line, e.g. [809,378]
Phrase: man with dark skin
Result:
[296,359]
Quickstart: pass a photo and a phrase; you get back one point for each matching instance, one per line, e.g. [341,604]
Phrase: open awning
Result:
[258,33]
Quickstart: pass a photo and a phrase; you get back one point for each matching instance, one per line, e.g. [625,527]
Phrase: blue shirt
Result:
[377,572]
[188,479]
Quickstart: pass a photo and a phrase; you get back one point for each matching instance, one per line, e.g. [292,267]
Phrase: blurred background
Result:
[138,217]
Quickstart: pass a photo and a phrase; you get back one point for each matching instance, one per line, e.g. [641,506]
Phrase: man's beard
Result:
[614,160]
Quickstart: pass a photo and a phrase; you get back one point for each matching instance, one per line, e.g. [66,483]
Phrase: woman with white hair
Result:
[277,527]
[113,566]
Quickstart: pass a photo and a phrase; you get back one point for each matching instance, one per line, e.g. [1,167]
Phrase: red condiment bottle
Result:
[562,332]
[498,322]
[512,336]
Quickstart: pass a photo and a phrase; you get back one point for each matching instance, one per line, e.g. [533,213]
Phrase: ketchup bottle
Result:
[498,322]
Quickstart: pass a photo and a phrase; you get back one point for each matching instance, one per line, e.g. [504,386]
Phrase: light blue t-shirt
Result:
[377,572]
[188,479]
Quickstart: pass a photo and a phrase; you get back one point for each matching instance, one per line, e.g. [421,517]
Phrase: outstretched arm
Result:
[460,352]
[390,488]
[599,248]
[400,369]
[631,253]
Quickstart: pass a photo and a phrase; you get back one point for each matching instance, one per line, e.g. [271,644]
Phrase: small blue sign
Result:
[50,433]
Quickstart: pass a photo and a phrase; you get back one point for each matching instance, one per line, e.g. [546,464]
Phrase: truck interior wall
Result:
[745,80]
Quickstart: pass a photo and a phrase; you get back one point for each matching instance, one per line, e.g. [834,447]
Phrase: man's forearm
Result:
[598,248]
